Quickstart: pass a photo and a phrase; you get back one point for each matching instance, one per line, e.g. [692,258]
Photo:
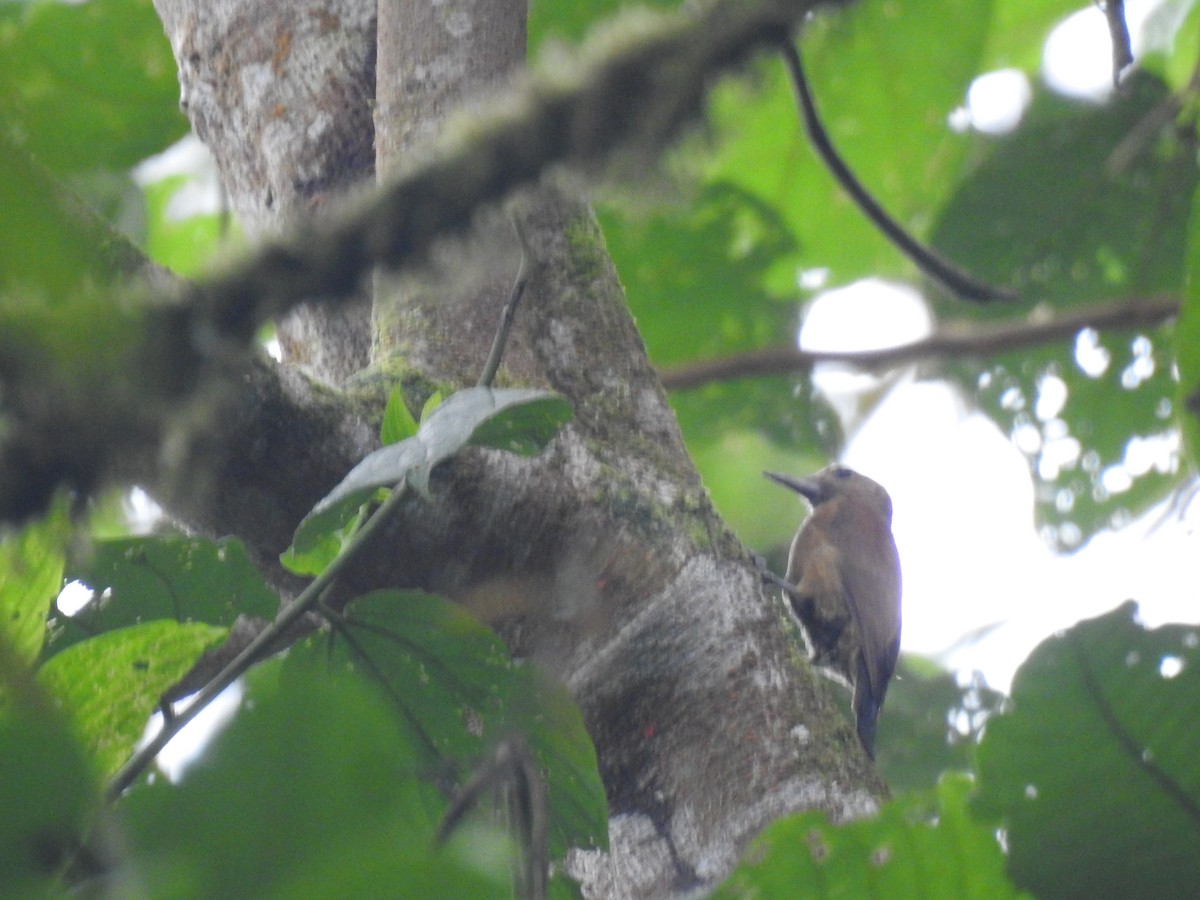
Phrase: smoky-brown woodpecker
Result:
[843,578]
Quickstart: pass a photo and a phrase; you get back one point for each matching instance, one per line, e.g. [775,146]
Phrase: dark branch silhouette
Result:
[1118,30]
[944,272]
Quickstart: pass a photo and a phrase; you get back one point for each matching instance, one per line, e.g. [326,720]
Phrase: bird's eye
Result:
[842,472]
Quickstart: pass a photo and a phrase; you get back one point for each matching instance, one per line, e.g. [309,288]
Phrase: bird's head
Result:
[839,482]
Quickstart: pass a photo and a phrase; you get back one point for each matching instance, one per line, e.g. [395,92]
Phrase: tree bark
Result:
[295,84]
[603,558]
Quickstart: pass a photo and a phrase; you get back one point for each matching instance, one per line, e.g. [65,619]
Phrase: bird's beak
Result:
[806,487]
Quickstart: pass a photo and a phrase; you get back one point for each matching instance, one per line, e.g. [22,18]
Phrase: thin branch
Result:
[510,310]
[946,273]
[512,764]
[1118,30]
[1151,124]
[237,667]
[949,342]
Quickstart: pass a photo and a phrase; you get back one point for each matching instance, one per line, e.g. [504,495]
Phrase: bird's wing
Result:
[872,586]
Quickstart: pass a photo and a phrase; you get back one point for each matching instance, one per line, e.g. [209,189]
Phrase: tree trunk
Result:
[603,558]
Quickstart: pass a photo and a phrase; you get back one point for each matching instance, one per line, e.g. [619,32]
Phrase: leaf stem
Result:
[510,309]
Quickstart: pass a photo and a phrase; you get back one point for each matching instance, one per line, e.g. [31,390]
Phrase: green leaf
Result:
[322,546]
[90,84]
[920,846]
[342,798]
[523,425]
[141,579]
[431,403]
[569,20]
[47,789]
[519,420]
[44,247]
[398,422]
[110,684]
[457,694]
[1095,773]
[182,245]
[1051,212]
[31,567]
[1186,342]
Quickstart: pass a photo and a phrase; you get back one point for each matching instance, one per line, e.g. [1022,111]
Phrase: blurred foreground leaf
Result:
[919,847]
[141,579]
[110,684]
[1095,772]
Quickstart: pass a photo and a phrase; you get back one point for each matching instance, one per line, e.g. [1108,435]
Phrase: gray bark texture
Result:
[602,558]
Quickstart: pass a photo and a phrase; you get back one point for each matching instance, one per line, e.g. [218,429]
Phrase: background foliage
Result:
[334,775]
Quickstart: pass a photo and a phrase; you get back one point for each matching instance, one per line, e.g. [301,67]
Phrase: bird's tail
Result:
[866,707]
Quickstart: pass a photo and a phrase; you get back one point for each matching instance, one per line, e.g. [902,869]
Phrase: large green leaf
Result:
[141,579]
[349,802]
[91,84]
[919,847]
[1053,213]
[1187,346]
[457,694]
[110,684]
[1095,772]
[31,567]
[48,792]
[45,252]
[311,771]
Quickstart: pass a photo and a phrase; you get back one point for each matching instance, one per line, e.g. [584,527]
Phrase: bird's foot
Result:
[770,577]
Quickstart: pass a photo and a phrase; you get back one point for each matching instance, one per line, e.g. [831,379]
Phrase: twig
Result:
[1148,127]
[947,343]
[307,600]
[512,763]
[510,309]
[943,271]
[1118,30]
